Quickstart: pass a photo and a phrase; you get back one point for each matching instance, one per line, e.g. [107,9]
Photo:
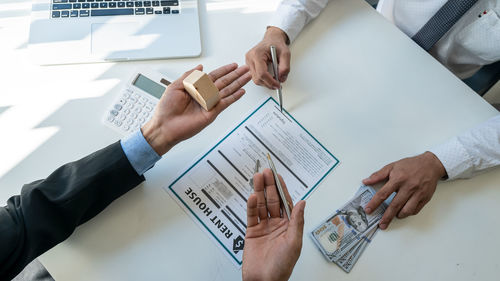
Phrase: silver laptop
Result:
[76,31]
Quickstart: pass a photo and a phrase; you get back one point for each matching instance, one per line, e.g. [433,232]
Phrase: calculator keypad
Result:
[129,112]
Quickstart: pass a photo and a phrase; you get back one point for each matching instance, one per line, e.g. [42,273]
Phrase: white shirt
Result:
[472,42]
[472,152]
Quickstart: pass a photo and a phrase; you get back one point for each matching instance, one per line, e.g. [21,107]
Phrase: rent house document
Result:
[214,190]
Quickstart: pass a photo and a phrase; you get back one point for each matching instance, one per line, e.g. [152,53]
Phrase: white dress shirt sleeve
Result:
[292,15]
[472,152]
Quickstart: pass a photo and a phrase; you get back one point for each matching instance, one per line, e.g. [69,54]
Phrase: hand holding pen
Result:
[272,242]
[274,58]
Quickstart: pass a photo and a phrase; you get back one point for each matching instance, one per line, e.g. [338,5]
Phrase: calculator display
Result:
[149,86]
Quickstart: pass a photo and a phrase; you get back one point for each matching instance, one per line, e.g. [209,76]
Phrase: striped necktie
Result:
[441,22]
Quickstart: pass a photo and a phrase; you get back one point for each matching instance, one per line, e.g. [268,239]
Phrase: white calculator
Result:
[135,104]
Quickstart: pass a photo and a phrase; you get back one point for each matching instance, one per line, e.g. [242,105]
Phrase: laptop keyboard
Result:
[96,8]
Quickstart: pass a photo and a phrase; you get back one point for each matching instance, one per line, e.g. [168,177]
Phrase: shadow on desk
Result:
[3,109]
[79,133]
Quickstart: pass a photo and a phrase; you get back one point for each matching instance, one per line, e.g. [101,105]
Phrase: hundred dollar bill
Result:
[358,244]
[347,261]
[347,226]
[363,188]
[361,244]
[349,253]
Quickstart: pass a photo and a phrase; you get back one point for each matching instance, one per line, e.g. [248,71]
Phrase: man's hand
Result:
[272,243]
[413,179]
[260,56]
[178,117]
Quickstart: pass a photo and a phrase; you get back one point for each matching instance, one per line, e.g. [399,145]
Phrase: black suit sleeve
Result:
[49,210]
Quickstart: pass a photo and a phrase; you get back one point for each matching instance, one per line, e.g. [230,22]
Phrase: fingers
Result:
[296,225]
[252,211]
[397,203]
[416,202]
[277,204]
[379,176]
[410,207]
[230,86]
[257,59]
[381,196]
[414,179]
[284,63]
[221,71]
[249,60]
[262,77]
[227,101]
[273,199]
[231,82]
[421,204]
[258,185]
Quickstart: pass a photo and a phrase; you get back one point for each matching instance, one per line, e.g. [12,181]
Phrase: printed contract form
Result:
[214,190]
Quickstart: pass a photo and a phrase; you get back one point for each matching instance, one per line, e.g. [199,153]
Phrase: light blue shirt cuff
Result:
[139,153]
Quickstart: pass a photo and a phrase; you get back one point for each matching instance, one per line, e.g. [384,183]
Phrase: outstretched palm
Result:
[185,116]
[272,242]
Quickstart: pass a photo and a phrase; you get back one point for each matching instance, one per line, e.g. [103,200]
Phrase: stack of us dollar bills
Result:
[344,235]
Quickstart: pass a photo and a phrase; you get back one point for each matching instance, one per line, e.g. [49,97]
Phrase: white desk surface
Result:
[368,93]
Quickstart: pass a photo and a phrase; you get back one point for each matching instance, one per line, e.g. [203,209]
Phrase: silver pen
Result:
[276,76]
[278,185]
[255,171]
